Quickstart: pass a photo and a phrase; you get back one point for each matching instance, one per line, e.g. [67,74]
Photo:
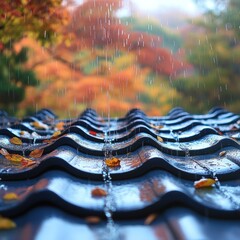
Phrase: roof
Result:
[150,191]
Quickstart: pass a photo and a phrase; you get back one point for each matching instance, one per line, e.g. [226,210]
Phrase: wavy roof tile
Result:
[150,192]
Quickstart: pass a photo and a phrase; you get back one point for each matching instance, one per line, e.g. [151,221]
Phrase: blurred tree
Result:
[213,46]
[41,20]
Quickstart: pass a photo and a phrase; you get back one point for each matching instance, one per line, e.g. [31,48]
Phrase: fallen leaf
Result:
[18,159]
[98,192]
[60,126]
[112,162]
[27,162]
[40,126]
[223,153]
[150,218]
[36,153]
[159,139]
[157,127]
[16,141]
[4,152]
[92,132]
[93,219]
[204,182]
[24,133]
[56,134]
[6,223]
[10,196]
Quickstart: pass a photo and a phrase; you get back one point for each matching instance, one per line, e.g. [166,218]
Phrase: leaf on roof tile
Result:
[159,139]
[4,152]
[10,196]
[6,223]
[112,162]
[204,182]
[157,127]
[93,219]
[60,126]
[150,218]
[98,192]
[223,153]
[36,153]
[18,159]
[39,126]
[56,134]
[16,141]
[92,132]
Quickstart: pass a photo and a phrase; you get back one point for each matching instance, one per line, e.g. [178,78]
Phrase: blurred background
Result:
[114,55]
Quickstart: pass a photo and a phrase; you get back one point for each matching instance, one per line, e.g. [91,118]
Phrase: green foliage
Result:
[14,78]
[214,51]
[169,39]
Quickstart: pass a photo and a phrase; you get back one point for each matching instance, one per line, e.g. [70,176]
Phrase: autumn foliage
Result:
[103,64]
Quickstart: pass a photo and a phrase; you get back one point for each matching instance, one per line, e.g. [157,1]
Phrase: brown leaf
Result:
[93,219]
[223,153]
[98,192]
[6,223]
[36,153]
[204,182]
[112,162]
[150,218]
[16,141]
[10,196]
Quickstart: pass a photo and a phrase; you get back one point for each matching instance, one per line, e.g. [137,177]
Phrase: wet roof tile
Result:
[160,158]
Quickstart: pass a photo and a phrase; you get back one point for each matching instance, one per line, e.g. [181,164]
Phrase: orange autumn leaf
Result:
[150,218]
[157,127]
[36,153]
[10,196]
[16,141]
[48,141]
[27,162]
[204,182]
[93,219]
[98,192]
[112,162]
[60,126]
[39,125]
[6,223]
[4,152]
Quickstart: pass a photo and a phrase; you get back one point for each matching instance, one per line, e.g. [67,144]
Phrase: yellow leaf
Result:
[205,182]
[6,223]
[150,218]
[56,134]
[36,153]
[159,139]
[98,192]
[112,162]
[10,196]
[14,158]
[16,141]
